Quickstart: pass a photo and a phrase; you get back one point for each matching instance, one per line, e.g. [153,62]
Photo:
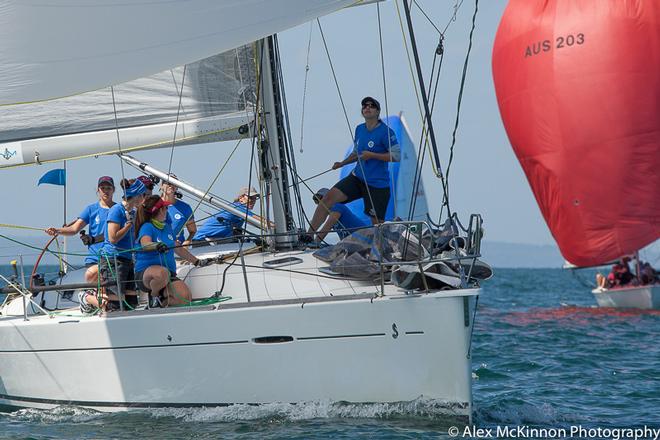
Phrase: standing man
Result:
[375,145]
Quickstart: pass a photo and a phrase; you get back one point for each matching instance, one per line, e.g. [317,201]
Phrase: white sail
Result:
[205,101]
[50,48]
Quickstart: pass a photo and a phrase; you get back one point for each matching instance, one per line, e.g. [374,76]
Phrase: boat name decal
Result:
[561,42]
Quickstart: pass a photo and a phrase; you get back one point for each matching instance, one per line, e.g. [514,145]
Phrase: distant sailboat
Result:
[578,87]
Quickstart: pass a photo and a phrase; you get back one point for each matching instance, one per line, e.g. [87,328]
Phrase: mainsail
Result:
[579,93]
[205,101]
[51,48]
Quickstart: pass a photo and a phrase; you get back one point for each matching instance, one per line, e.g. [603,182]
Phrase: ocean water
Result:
[543,357]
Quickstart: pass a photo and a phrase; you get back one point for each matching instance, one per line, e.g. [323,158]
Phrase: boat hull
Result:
[634,297]
[359,349]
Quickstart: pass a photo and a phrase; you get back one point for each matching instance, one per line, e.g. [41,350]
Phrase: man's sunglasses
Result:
[368,104]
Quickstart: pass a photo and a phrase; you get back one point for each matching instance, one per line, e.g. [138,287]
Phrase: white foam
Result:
[427,408]
[57,415]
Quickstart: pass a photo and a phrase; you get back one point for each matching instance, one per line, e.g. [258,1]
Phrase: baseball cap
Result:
[371,100]
[248,191]
[105,180]
[136,189]
[147,181]
[159,204]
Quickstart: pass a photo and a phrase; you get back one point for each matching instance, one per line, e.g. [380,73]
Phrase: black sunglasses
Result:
[369,104]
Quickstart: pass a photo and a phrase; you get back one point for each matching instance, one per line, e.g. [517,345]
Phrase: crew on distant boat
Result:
[647,274]
[155,268]
[341,219]
[180,212]
[93,215]
[375,145]
[619,276]
[119,245]
[224,224]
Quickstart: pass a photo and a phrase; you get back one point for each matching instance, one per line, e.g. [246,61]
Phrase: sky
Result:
[485,176]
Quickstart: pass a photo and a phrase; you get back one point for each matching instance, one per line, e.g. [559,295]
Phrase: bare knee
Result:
[92,274]
[333,196]
[156,275]
[178,293]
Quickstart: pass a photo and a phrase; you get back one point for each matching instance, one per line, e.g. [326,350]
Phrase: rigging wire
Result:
[334,77]
[387,112]
[121,162]
[178,112]
[341,99]
[417,179]
[290,158]
[302,113]
[424,137]
[460,92]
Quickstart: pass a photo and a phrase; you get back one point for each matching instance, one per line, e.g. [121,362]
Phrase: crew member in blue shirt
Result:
[224,223]
[375,145]
[93,215]
[155,268]
[341,219]
[180,213]
[119,244]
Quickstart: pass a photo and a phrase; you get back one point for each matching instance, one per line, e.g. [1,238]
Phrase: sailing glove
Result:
[87,240]
[162,248]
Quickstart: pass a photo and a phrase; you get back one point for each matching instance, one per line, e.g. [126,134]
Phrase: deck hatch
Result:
[286,261]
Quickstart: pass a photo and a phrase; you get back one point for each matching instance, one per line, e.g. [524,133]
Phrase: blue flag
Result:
[54,177]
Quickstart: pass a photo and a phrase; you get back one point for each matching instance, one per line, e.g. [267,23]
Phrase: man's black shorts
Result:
[375,199]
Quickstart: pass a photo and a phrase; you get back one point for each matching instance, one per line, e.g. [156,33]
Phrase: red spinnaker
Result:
[578,86]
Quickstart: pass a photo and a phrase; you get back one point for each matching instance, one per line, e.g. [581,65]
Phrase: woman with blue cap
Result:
[119,244]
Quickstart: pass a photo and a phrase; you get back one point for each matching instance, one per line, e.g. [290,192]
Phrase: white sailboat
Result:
[278,324]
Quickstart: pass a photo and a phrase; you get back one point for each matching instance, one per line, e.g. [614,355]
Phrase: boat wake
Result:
[420,409]
[516,411]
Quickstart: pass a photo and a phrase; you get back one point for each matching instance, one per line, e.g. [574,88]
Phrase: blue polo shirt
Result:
[180,212]
[222,224]
[144,259]
[117,214]
[381,139]
[95,216]
[348,222]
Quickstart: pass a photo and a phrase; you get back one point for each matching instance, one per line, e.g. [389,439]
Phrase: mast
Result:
[274,167]
[422,86]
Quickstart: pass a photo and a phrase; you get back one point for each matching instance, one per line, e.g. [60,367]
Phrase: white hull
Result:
[329,340]
[634,297]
